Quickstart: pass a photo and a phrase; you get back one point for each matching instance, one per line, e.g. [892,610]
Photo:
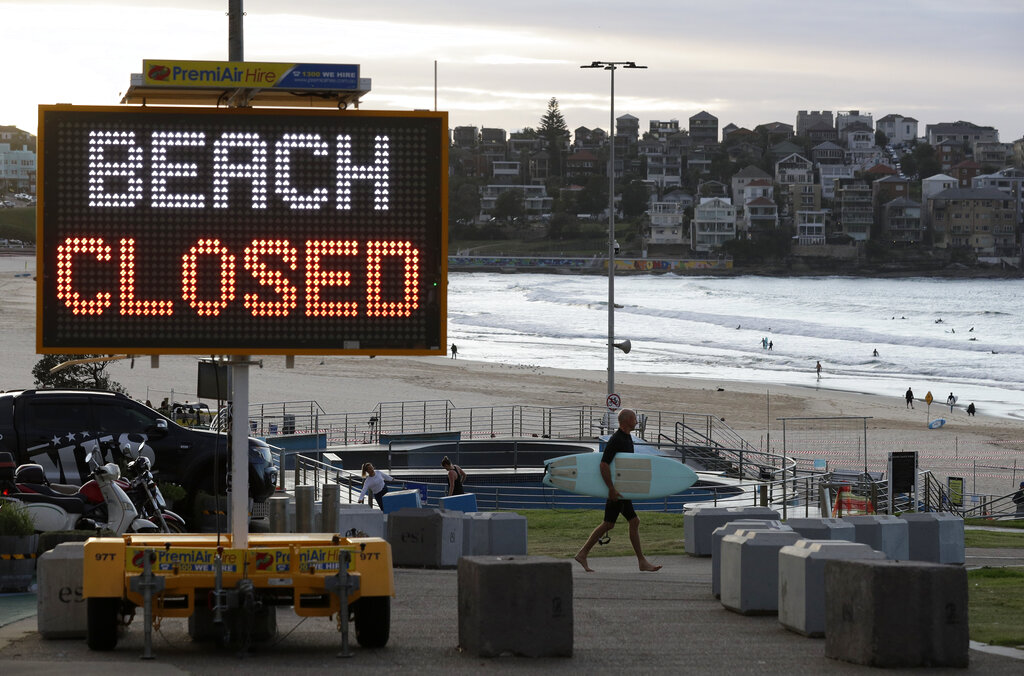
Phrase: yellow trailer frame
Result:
[184,568]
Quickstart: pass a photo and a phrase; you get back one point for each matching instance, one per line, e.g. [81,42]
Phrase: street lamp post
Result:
[611,66]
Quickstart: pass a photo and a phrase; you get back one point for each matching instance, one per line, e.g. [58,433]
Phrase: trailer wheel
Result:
[373,621]
[102,614]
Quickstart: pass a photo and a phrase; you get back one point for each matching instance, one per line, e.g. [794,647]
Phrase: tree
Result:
[89,376]
[509,206]
[634,199]
[881,140]
[463,201]
[554,131]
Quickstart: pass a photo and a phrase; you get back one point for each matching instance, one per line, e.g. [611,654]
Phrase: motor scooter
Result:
[63,507]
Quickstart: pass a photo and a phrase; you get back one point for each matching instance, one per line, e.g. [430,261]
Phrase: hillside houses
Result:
[833,177]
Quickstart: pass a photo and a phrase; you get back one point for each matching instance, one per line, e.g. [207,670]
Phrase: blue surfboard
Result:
[636,477]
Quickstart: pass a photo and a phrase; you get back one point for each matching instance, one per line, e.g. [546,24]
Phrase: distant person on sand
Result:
[374,485]
[455,351]
[970,408]
[951,400]
[620,442]
[910,398]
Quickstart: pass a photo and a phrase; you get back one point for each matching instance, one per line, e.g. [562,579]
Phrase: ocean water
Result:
[964,336]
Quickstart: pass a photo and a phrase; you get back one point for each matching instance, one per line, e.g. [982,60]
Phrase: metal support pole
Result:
[240,454]
[611,238]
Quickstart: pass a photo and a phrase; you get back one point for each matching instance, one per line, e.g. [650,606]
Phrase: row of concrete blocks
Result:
[870,610]
[936,537]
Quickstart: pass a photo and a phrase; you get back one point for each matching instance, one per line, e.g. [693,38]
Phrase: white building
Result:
[714,223]
[17,168]
[667,223]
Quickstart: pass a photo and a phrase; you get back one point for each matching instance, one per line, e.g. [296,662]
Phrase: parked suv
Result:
[57,428]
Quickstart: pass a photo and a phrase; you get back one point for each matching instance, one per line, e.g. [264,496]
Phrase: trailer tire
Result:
[103,617]
[373,621]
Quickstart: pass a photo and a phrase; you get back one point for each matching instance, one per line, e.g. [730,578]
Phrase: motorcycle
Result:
[102,503]
[146,495]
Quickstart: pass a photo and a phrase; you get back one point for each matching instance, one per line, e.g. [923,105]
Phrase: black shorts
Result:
[612,509]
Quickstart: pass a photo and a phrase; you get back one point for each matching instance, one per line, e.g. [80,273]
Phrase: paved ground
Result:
[624,621]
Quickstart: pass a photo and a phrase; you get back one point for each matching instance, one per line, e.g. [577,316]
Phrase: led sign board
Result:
[241,231]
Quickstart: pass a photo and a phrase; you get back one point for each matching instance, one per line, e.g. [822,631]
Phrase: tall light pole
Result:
[611,66]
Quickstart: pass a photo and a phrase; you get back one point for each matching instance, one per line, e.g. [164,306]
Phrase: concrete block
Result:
[750,570]
[802,581]
[425,537]
[459,503]
[368,522]
[729,529]
[699,523]
[506,532]
[476,534]
[512,604]
[396,500]
[60,608]
[883,532]
[823,529]
[896,613]
[935,536]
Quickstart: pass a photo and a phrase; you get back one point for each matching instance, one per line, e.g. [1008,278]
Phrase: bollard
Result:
[521,605]
[59,602]
[304,508]
[279,514]
[329,513]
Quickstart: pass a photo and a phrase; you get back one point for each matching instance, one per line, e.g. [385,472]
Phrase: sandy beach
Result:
[987,451]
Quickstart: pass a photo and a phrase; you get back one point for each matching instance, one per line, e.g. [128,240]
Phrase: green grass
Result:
[18,223]
[992,540]
[561,533]
[1008,523]
[995,605]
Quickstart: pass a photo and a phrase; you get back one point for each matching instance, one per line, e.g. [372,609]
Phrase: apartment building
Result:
[807,119]
[964,172]
[744,177]
[853,207]
[760,217]
[844,118]
[667,223]
[961,132]
[535,198]
[1010,181]
[794,168]
[901,222]
[981,219]
[714,223]
[704,129]
[810,227]
[18,168]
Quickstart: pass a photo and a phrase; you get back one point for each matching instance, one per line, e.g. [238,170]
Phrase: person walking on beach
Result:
[455,476]
[970,408]
[910,398]
[374,484]
[818,369]
[620,442]
[455,351]
[951,400]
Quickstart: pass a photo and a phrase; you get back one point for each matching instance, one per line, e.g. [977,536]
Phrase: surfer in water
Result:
[620,442]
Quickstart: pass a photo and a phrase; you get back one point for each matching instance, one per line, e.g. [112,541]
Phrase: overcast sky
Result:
[498,64]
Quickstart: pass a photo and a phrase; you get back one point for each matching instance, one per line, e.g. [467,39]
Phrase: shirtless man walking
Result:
[620,442]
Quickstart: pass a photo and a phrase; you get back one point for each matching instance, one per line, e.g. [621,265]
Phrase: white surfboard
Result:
[636,477]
